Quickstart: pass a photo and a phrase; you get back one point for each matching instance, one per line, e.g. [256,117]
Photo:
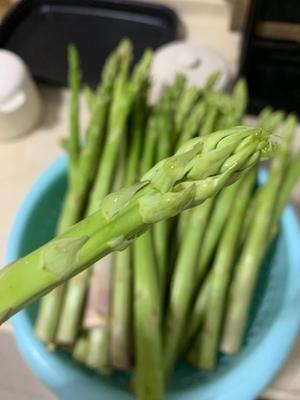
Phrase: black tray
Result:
[40,30]
[271,67]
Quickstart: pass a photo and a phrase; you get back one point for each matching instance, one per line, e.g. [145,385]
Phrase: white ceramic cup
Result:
[20,102]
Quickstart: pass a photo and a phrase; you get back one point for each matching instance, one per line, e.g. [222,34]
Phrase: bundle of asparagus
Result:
[174,293]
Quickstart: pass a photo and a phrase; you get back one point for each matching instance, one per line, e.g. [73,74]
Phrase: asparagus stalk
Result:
[96,316]
[247,269]
[199,310]
[120,107]
[235,107]
[200,169]
[177,89]
[75,82]
[90,97]
[72,305]
[270,121]
[221,274]
[192,123]
[222,208]
[122,104]
[148,379]
[211,82]
[240,98]
[190,126]
[220,101]
[120,342]
[264,115]
[209,121]
[147,322]
[212,103]
[164,149]
[80,182]
[181,297]
[183,109]
[46,323]
[292,176]
[196,319]
[182,286]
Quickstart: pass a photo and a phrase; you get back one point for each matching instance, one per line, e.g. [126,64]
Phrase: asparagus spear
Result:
[256,243]
[72,304]
[120,107]
[182,286]
[214,229]
[270,121]
[90,97]
[240,98]
[122,104]
[180,299]
[177,89]
[148,379]
[292,176]
[264,114]
[46,323]
[96,315]
[80,179]
[120,342]
[184,106]
[211,81]
[196,319]
[221,274]
[235,108]
[220,101]
[171,186]
[147,322]
[192,123]
[164,149]
[209,121]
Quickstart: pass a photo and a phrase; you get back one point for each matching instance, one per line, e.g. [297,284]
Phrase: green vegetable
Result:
[148,381]
[222,208]
[48,315]
[121,309]
[184,106]
[221,274]
[291,178]
[192,123]
[125,92]
[165,125]
[183,283]
[209,121]
[147,312]
[172,185]
[196,318]
[74,295]
[257,241]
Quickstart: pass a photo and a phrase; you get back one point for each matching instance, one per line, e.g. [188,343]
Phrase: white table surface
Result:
[22,160]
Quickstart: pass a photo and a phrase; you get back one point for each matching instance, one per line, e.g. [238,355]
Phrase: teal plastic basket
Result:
[273,327]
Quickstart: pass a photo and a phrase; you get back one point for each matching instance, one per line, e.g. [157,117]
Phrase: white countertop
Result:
[23,160]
